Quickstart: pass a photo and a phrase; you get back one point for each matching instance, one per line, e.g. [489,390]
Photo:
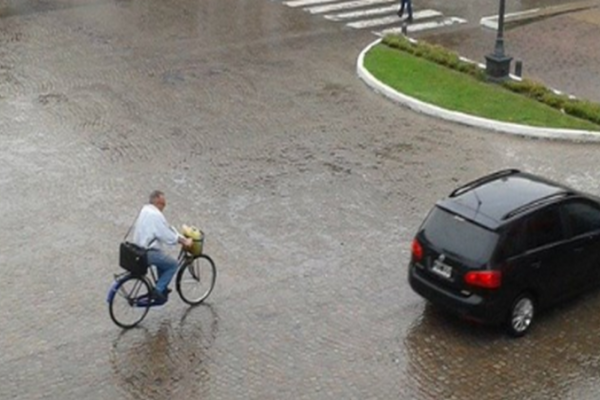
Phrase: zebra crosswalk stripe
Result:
[362,13]
[374,13]
[305,3]
[423,26]
[346,5]
[370,23]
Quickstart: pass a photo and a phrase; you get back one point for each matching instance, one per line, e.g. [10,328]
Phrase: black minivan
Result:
[506,245]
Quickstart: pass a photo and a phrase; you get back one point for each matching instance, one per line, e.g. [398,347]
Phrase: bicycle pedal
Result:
[143,303]
[156,303]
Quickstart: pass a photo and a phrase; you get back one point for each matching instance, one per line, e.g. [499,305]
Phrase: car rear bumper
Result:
[488,310]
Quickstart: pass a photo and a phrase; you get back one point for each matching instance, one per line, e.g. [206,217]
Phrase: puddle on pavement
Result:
[451,358]
[149,362]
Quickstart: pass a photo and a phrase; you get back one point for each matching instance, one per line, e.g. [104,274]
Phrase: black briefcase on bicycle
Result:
[133,258]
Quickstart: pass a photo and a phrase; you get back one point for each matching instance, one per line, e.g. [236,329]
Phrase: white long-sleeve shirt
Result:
[152,224]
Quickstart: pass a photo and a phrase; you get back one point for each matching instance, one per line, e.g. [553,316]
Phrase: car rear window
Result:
[454,234]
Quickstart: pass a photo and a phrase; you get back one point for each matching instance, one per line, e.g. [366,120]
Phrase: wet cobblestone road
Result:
[308,186]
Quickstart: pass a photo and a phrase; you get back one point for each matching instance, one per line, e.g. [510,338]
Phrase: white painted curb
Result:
[466,119]
[492,22]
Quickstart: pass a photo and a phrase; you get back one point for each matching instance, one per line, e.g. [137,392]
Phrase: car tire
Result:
[521,315]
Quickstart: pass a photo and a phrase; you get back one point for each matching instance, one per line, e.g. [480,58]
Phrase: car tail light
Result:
[484,279]
[417,251]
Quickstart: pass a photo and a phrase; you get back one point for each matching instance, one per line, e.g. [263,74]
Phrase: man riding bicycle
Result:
[151,231]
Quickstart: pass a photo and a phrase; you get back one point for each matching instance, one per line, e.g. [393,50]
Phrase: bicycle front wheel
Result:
[196,280]
[129,302]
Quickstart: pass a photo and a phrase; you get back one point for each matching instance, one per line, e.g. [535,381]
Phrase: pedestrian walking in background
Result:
[408,5]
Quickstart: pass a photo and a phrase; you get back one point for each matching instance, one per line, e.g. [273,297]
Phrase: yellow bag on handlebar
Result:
[197,236]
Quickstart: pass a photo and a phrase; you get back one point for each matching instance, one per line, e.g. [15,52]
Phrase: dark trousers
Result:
[408,5]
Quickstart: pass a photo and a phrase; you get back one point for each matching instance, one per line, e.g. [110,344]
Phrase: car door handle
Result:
[536,264]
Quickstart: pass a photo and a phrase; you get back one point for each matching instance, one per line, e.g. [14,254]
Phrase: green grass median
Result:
[441,86]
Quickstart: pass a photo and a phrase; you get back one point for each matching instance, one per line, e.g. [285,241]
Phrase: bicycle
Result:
[130,294]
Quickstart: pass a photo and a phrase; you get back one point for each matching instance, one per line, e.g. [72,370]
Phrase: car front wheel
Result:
[521,315]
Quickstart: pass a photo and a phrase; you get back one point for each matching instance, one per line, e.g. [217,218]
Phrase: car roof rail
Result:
[482,180]
[537,202]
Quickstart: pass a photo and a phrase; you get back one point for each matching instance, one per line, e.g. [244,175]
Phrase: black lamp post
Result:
[497,64]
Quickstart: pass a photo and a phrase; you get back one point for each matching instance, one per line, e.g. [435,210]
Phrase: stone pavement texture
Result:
[561,51]
[309,189]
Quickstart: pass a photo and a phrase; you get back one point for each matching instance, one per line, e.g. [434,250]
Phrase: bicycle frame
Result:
[136,290]
[184,260]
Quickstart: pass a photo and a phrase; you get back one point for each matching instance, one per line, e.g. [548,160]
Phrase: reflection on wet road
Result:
[307,185]
[455,360]
[174,357]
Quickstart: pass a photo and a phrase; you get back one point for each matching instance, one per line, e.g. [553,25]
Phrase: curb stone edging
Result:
[491,22]
[466,119]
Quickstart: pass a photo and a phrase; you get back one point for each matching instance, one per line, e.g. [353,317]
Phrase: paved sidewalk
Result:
[561,51]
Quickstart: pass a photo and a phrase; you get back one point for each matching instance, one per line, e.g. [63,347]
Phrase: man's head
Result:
[157,198]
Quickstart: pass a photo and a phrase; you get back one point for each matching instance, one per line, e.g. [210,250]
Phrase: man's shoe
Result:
[143,301]
[400,13]
[159,298]
[409,19]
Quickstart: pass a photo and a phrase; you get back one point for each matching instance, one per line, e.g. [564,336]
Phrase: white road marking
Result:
[368,16]
[492,22]
[347,5]
[303,3]
[370,23]
[363,13]
[423,26]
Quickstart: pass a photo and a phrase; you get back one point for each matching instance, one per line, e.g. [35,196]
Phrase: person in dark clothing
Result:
[408,5]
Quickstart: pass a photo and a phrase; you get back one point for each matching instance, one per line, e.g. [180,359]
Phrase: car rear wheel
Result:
[521,315]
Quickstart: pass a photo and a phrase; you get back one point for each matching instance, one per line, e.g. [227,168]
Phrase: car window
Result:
[514,243]
[543,228]
[582,217]
[459,236]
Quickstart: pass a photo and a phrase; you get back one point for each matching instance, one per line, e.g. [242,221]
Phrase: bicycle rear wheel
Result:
[129,301]
[196,280]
